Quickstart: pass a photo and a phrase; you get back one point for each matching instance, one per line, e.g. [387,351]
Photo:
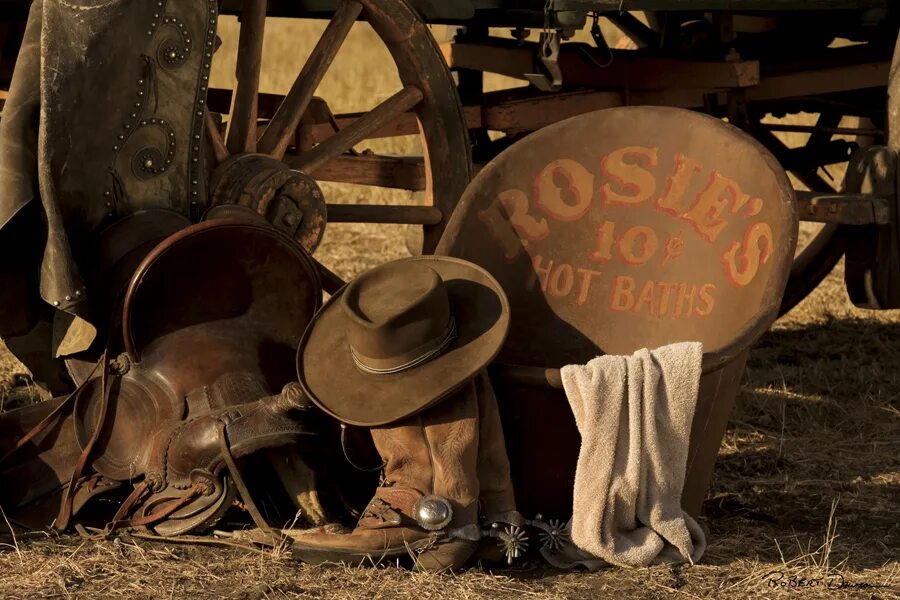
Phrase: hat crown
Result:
[398,314]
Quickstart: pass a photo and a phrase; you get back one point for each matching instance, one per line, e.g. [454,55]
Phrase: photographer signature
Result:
[782,580]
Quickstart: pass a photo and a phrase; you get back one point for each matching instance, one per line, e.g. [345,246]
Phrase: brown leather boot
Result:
[426,507]
[497,501]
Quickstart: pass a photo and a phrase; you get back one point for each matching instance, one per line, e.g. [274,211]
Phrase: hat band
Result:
[407,360]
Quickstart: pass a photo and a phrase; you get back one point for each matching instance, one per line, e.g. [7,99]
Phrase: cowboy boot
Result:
[497,501]
[427,503]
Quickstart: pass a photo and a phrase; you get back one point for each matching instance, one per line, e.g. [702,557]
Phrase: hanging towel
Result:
[634,414]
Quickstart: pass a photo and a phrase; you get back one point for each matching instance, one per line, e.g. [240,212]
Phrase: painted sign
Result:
[628,228]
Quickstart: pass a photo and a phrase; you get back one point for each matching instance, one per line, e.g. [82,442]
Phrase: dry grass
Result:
[808,479]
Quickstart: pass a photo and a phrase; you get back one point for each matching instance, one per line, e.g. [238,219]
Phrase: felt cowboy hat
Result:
[402,337]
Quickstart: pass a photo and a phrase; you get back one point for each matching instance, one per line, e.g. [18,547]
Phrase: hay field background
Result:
[807,483]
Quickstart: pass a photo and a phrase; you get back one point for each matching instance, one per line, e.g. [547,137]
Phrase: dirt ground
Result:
[805,501]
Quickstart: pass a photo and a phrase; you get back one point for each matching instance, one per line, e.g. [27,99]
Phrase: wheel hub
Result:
[288,199]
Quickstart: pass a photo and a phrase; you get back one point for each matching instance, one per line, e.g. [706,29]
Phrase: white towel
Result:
[634,414]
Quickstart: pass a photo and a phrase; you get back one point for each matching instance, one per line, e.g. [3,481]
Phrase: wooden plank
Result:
[736,5]
[406,124]
[405,173]
[820,81]
[626,69]
[532,113]
[384,213]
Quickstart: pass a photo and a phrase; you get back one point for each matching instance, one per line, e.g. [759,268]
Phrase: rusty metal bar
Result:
[844,209]
[542,377]
[531,376]
[375,213]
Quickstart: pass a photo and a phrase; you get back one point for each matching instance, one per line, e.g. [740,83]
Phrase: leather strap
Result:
[243,490]
[65,509]
[45,422]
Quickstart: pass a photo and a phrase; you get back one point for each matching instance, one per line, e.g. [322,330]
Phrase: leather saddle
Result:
[209,325]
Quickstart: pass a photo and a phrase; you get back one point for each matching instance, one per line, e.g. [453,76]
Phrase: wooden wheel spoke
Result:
[359,130]
[277,135]
[215,138]
[242,128]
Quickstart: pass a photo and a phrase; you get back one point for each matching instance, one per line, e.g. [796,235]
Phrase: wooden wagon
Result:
[750,62]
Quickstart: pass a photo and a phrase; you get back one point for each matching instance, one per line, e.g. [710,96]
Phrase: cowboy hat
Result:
[400,338]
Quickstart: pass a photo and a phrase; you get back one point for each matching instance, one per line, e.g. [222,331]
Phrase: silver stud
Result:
[77,293]
[56,303]
[68,298]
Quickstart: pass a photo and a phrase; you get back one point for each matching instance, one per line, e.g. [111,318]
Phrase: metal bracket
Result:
[551,79]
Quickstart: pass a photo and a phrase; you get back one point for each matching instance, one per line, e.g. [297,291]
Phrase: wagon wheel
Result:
[264,165]
[824,250]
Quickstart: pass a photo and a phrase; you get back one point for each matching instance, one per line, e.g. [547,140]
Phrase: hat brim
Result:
[332,380]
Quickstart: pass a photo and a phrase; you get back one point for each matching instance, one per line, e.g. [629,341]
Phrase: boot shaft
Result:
[436,453]
[497,497]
